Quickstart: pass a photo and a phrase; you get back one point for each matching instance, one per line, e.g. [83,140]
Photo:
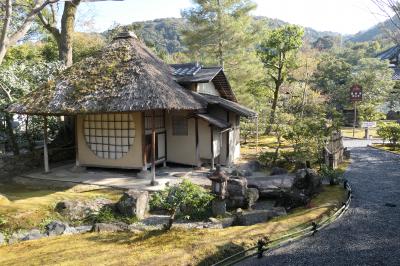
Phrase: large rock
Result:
[16,237]
[252,196]
[218,207]
[270,187]
[252,166]
[258,216]
[56,228]
[134,203]
[293,199]
[278,171]
[2,239]
[78,210]
[33,235]
[234,202]
[237,187]
[110,228]
[307,180]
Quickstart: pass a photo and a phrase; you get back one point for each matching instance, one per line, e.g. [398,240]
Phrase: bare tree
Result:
[391,10]
[15,26]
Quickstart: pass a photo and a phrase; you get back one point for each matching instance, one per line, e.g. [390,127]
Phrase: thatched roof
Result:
[124,76]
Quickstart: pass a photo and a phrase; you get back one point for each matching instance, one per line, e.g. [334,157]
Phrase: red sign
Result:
[356,93]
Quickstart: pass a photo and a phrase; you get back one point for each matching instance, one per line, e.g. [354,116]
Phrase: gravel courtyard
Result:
[369,233]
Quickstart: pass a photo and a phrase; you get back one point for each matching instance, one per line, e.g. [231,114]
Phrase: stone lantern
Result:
[219,183]
[219,187]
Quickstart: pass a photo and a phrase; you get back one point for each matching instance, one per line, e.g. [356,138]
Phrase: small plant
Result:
[108,215]
[3,220]
[105,215]
[390,132]
[333,176]
[186,199]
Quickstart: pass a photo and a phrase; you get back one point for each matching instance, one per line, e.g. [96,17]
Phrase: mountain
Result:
[381,31]
[165,34]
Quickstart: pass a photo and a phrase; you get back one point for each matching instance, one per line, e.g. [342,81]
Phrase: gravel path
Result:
[368,233]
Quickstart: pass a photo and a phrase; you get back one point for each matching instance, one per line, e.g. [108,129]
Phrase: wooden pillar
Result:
[45,150]
[153,150]
[198,163]
[212,148]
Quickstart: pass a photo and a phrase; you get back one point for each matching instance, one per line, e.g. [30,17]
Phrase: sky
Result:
[343,16]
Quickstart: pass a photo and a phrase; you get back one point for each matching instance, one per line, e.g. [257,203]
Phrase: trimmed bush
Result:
[185,199]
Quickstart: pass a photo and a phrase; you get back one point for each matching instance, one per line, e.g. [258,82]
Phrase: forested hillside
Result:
[165,34]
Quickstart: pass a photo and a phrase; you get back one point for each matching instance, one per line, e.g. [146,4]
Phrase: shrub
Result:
[185,199]
[333,176]
[390,132]
[108,215]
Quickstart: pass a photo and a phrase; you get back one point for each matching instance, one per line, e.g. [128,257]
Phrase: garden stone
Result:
[70,231]
[258,216]
[134,203]
[2,239]
[110,228]
[83,229]
[33,235]
[294,198]
[252,196]
[223,222]
[307,180]
[278,171]
[56,228]
[16,237]
[237,186]
[76,210]
[252,166]
[218,207]
[236,202]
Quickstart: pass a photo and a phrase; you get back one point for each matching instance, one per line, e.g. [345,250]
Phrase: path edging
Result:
[290,238]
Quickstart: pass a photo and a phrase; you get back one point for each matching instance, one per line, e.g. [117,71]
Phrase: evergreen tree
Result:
[278,53]
[223,32]
[220,28]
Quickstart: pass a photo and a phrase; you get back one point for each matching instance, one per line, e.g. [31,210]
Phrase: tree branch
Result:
[24,28]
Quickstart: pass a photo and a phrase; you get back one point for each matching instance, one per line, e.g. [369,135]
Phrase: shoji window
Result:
[109,136]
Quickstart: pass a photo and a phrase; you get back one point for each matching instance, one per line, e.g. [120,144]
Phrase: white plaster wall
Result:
[181,149]
[132,160]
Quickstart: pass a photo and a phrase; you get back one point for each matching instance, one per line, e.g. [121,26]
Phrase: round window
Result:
[109,136]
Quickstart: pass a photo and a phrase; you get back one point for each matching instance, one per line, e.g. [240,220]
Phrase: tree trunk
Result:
[67,31]
[171,220]
[11,135]
[273,109]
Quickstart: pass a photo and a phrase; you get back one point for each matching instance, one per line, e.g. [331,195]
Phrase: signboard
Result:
[368,124]
[356,93]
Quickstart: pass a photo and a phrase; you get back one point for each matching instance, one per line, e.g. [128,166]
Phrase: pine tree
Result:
[223,32]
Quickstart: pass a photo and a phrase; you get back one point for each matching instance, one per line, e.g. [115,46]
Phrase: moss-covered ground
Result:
[25,207]
[176,247]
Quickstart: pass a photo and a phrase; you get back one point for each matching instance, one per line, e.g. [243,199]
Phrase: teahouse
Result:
[133,111]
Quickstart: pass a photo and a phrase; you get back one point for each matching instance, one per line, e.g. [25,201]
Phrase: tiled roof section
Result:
[190,69]
[396,74]
[390,53]
[195,73]
[229,105]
